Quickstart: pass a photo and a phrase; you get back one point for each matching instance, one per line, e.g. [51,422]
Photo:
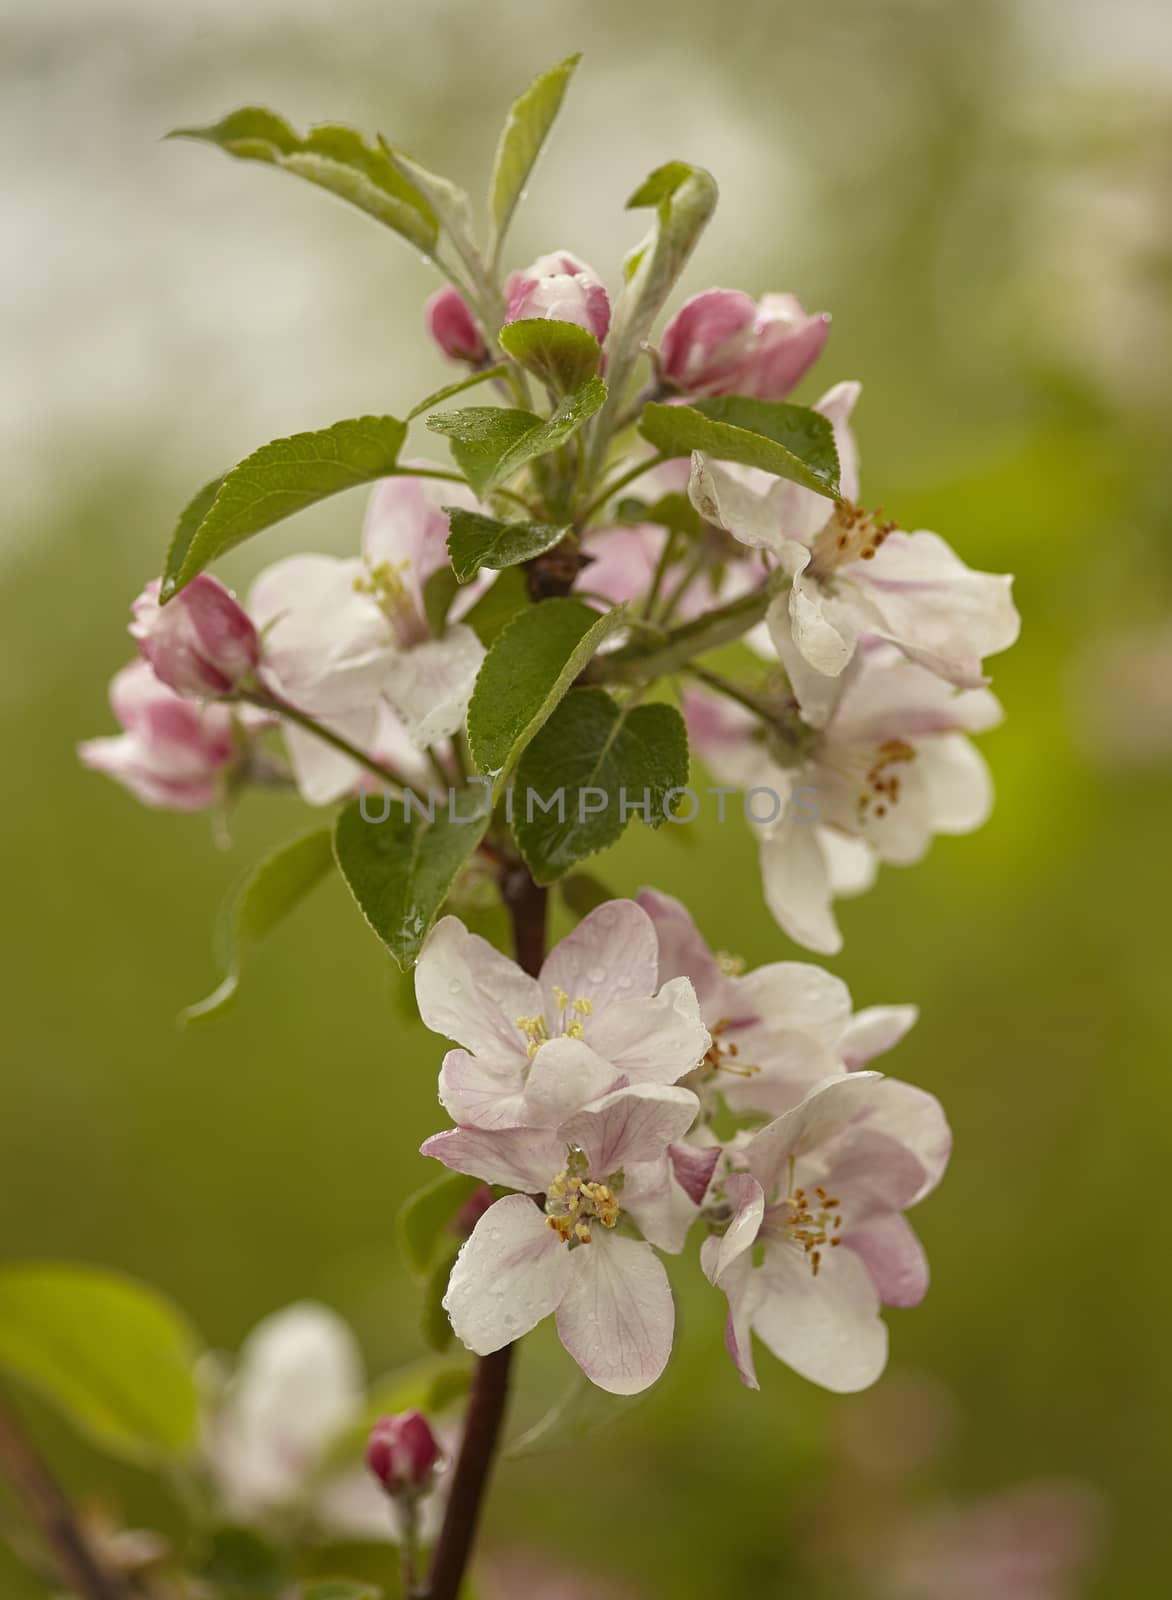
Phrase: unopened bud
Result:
[201,643]
[706,341]
[560,288]
[453,327]
[402,1452]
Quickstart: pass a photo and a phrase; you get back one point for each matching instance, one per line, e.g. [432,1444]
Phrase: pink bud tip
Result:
[402,1452]
[453,327]
[560,288]
[707,340]
[201,643]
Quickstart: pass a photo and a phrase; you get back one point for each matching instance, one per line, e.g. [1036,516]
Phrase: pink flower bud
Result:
[173,753]
[453,327]
[562,289]
[402,1452]
[202,643]
[787,340]
[707,340]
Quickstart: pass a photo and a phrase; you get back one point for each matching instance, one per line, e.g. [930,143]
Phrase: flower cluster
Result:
[593,1091]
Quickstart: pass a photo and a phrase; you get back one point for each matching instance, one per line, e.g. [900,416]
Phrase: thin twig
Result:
[271,702]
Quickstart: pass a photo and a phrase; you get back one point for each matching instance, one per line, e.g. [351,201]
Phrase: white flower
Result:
[776,1031]
[854,575]
[816,1241]
[880,764]
[535,1049]
[347,641]
[526,1260]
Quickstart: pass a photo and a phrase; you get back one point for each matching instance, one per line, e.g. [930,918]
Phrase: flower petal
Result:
[826,1112]
[656,1040]
[693,1166]
[888,1247]
[797,884]
[827,1328]
[631,1125]
[510,1274]
[617,1318]
[565,1076]
[873,1032]
[430,684]
[518,1158]
[471,993]
[483,1091]
[747,1199]
[611,955]
[326,646]
[683,951]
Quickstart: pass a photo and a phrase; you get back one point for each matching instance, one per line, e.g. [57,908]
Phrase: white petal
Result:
[326,647]
[852,863]
[827,1328]
[747,1198]
[683,952]
[796,995]
[723,497]
[430,684]
[797,884]
[324,774]
[611,955]
[617,1318]
[837,404]
[483,1091]
[816,692]
[656,1040]
[894,1257]
[658,1203]
[631,1125]
[565,1076]
[406,528]
[824,632]
[959,788]
[743,1290]
[511,1272]
[828,1109]
[518,1158]
[468,991]
[873,1032]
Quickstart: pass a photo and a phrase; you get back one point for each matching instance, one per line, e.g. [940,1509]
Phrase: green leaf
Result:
[190,518]
[582,1409]
[400,870]
[524,133]
[335,158]
[425,1221]
[439,590]
[491,443]
[498,605]
[113,1355]
[563,355]
[340,1589]
[449,203]
[583,893]
[450,389]
[434,1324]
[791,441]
[265,898]
[684,198]
[241,1565]
[475,541]
[590,744]
[526,672]
[274,482]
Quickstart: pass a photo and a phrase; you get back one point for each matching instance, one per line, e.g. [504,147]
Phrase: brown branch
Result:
[51,1514]
[526,902]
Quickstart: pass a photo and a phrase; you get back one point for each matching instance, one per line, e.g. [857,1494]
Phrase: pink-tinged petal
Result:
[825,1113]
[705,342]
[796,882]
[471,993]
[517,1158]
[873,1032]
[890,697]
[788,1065]
[622,561]
[611,955]
[788,340]
[617,1318]
[430,684]
[451,324]
[202,643]
[510,1274]
[326,645]
[565,1076]
[790,996]
[656,1040]
[561,288]
[928,601]
[406,527]
[631,1125]
[740,1284]
[483,1091]
[683,952]
[915,1119]
[827,1328]
[693,1166]
[747,1199]
[894,1257]
[873,1173]
[322,773]
[657,1204]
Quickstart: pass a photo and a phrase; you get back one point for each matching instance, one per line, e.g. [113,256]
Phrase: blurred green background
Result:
[980,194]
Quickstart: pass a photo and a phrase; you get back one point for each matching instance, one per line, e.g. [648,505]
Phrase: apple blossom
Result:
[776,1031]
[525,1261]
[201,643]
[594,1020]
[878,764]
[172,753]
[453,327]
[563,289]
[347,640]
[722,342]
[853,574]
[814,1239]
